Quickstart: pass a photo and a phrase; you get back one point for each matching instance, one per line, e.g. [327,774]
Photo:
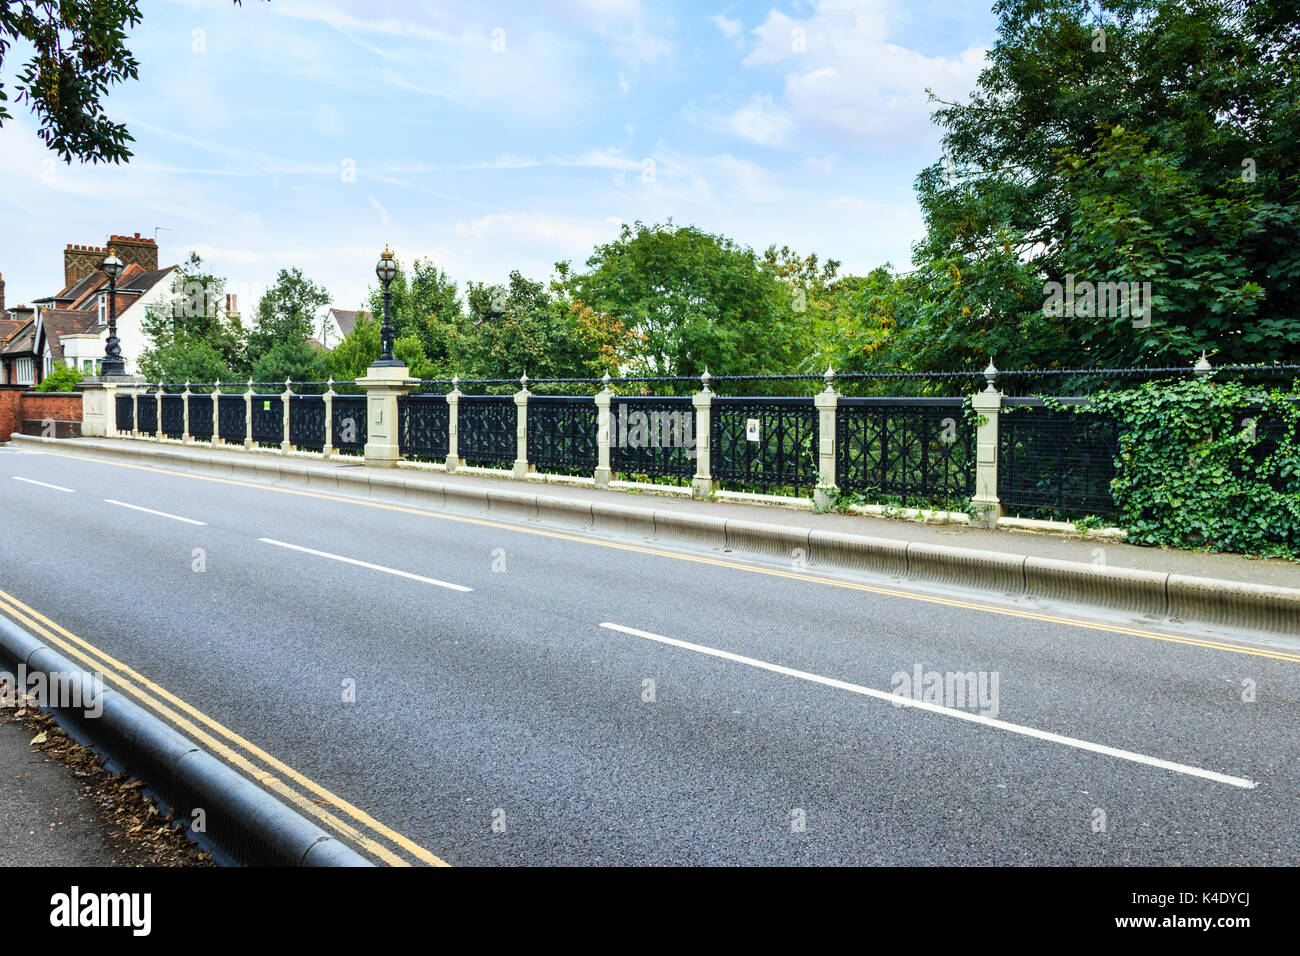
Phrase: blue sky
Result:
[489,135]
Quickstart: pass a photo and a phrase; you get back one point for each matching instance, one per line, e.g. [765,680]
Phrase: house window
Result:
[23,370]
[103,308]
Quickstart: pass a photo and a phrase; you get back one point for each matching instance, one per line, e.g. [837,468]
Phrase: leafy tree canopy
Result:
[79,51]
[287,312]
[1126,140]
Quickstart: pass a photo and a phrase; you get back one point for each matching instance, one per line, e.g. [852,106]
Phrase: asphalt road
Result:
[499,722]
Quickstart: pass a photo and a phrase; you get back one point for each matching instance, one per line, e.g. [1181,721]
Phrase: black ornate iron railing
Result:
[125,409]
[562,434]
[769,442]
[485,430]
[307,422]
[1058,460]
[148,412]
[349,425]
[268,419]
[652,437]
[201,417]
[173,416]
[424,426]
[922,448]
[230,418]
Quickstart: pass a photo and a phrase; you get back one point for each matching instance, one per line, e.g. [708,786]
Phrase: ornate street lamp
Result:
[113,362]
[386,269]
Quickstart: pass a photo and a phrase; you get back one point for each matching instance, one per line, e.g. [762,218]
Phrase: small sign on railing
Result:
[751,429]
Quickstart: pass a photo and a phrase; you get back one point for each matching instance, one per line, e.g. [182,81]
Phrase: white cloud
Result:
[730,28]
[383,213]
[844,78]
[761,122]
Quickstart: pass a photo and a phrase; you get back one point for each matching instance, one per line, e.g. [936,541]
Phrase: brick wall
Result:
[18,405]
[10,399]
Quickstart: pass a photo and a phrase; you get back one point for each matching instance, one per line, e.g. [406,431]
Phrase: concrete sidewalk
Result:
[1228,567]
[45,820]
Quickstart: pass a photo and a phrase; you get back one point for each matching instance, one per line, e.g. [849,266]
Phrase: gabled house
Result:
[338,324]
[71,327]
[18,348]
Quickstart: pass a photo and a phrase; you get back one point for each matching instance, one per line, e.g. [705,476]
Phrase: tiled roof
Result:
[60,322]
[24,341]
[8,327]
[146,280]
[347,320]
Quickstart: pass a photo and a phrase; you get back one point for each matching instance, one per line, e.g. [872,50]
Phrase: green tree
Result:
[178,362]
[426,306]
[79,52]
[287,313]
[191,336]
[695,301]
[297,360]
[349,359]
[1019,199]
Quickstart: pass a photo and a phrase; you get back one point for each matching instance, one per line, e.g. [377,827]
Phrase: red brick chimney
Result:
[2,295]
[134,250]
[80,261]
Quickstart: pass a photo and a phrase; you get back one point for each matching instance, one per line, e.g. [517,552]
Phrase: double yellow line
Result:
[350,822]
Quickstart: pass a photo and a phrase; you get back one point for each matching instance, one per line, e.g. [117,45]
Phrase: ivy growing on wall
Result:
[1208,465]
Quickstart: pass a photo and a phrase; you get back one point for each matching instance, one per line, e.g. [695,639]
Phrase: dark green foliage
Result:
[79,52]
[1207,465]
[62,378]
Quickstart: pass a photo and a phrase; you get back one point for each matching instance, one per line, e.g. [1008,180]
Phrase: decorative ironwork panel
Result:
[173,416]
[125,413]
[230,418]
[148,411]
[201,417]
[268,419]
[562,433]
[307,422]
[781,452]
[1056,459]
[423,426]
[923,448]
[652,436]
[349,425]
[485,429]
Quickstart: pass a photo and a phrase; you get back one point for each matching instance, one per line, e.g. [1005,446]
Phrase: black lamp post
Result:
[113,362]
[386,269]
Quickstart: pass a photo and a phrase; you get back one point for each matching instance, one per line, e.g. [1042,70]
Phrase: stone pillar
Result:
[604,399]
[453,427]
[157,414]
[248,417]
[522,468]
[383,385]
[185,415]
[828,403]
[99,403]
[288,394]
[328,450]
[216,414]
[986,508]
[703,485]
[135,414]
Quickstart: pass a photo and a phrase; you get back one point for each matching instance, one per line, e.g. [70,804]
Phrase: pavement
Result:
[44,818]
[1228,567]
[451,688]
